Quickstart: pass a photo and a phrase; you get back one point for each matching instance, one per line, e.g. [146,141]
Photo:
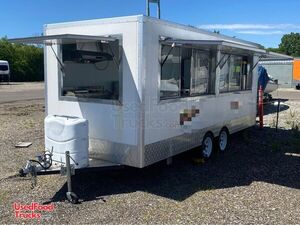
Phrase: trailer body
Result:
[169,85]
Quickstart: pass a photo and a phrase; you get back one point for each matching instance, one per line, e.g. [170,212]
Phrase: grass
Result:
[273,122]
[288,143]
[292,120]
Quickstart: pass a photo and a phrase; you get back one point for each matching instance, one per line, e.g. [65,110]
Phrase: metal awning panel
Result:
[276,56]
[60,39]
[215,44]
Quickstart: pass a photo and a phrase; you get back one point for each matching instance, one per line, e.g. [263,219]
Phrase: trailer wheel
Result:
[207,145]
[223,140]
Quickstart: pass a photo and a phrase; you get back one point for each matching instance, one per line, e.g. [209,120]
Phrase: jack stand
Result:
[71,196]
[169,161]
[33,176]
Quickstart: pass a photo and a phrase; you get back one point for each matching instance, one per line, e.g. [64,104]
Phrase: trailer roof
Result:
[196,29]
[142,18]
[220,40]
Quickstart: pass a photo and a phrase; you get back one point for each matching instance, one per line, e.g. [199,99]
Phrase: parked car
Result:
[4,71]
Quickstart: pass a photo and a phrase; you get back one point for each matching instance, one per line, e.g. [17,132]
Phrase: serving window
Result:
[199,62]
[91,69]
[90,65]
[235,73]
[186,71]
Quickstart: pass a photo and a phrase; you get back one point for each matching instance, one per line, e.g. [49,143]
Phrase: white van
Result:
[4,71]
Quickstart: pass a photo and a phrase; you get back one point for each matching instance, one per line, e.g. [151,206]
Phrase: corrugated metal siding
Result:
[281,70]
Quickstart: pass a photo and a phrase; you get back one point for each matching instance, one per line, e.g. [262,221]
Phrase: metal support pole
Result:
[278,109]
[158,9]
[68,165]
[71,196]
[261,107]
[147,8]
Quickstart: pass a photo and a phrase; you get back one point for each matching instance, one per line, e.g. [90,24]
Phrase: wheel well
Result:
[225,128]
[209,132]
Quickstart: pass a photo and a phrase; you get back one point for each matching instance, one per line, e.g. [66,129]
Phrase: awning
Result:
[60,39]
[222,45]
[276,56]
[66,39]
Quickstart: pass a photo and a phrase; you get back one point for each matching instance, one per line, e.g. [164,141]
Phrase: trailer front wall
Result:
[163,134]
[113,128]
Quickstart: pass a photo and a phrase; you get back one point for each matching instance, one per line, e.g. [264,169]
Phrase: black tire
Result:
[207,146]
[223,142]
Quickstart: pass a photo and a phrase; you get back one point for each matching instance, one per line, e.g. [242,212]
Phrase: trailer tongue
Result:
[66,142]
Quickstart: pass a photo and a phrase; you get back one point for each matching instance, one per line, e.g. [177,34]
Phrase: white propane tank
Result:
[65,133]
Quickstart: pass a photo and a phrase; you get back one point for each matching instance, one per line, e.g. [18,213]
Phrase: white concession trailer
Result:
[137,90]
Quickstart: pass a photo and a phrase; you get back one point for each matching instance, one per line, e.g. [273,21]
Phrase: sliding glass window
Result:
[235,73]
[170,72]
[199,72]
[186,71]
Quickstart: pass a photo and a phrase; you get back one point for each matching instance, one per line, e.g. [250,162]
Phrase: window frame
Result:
[250,58]
[118,101]
[160,74]
[211,80]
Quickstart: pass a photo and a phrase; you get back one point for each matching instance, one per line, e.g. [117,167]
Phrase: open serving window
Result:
[188,67]
[90,66]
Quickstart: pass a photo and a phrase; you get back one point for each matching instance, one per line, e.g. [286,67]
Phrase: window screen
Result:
[91,70]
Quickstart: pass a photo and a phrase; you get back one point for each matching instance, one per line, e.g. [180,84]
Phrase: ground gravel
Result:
[256,182]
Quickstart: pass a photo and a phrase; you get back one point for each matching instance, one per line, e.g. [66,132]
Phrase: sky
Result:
[260,21]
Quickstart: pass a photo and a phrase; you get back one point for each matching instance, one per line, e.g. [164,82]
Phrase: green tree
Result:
[274,50]
[26,62]
[290,44]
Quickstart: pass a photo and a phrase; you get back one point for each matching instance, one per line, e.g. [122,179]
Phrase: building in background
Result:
[285,70]
[296,72]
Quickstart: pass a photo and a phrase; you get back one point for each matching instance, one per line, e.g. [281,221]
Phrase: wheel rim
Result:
[223,139]
[207,148]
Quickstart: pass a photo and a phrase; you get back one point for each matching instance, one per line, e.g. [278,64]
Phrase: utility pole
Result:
[148,7]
